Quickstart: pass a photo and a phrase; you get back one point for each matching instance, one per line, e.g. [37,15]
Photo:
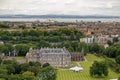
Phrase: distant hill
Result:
[57,16]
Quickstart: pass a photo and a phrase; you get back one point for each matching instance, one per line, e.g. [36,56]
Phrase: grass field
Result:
[19,58]
[65,74]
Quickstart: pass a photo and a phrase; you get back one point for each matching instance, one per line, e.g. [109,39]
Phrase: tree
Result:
[70,49]
[66,44]
[3,71]
[4,25]
[34,69]
[112,51]
[5,50]
[101,49]
[46,64]
[99,69]
[78,35]
[109,42]
[22,49]
[28,73]
[43,43]
[118,59]
[47,73]
[95,48]
[115,39]
[84,46]
[22,26]
[10,69]
[72,36]
[24,67]
[8,48]
[19,77]
[34,63]
[0,60]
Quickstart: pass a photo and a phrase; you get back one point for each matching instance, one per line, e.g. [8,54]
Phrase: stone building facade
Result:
[77,56]
[58,57]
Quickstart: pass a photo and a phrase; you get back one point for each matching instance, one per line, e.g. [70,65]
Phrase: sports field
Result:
[65,74]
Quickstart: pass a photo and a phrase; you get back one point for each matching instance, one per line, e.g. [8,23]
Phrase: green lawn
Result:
[64,74]
[2,79]
[19,57]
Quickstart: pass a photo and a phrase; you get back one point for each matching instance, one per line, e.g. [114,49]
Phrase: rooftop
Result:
[53,51]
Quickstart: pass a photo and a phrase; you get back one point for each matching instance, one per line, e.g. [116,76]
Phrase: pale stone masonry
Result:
[58,57]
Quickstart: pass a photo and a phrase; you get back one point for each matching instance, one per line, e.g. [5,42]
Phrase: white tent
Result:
[76,69]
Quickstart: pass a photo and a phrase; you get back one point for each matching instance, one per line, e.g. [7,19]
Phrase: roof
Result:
[53,51]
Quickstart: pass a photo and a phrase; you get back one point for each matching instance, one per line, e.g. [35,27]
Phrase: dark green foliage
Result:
[19,77]
[22,26]
[113,65]
[47,73]
[6,48]
[45,65]
[0,60]
[22,49]
[118,59]
[9,62]
[34,69]
[34,64]
[9,46]
[3,71]
[83,46]
[113,51]
[95,48]
[4,26]
[24,67]
[36,36]
[12,66]
[63,37]
[11,70]
[99,69]
[115,39]
[74,46]
[109,43]
[43,43]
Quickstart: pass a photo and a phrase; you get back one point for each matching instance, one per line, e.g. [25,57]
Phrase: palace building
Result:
[57,57]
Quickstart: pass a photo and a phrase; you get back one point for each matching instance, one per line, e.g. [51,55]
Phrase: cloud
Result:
[79,7]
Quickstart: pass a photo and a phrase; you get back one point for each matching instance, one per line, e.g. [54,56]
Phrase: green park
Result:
[65,74]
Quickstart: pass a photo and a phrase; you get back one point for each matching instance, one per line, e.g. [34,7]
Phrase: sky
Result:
[66,7]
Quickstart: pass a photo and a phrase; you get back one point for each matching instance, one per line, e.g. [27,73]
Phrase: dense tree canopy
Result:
[22,49]
[113,51]
[99,69]
[95,48]
[118,59]
[35,36]
[6,48]
[4,25]
[11,70]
